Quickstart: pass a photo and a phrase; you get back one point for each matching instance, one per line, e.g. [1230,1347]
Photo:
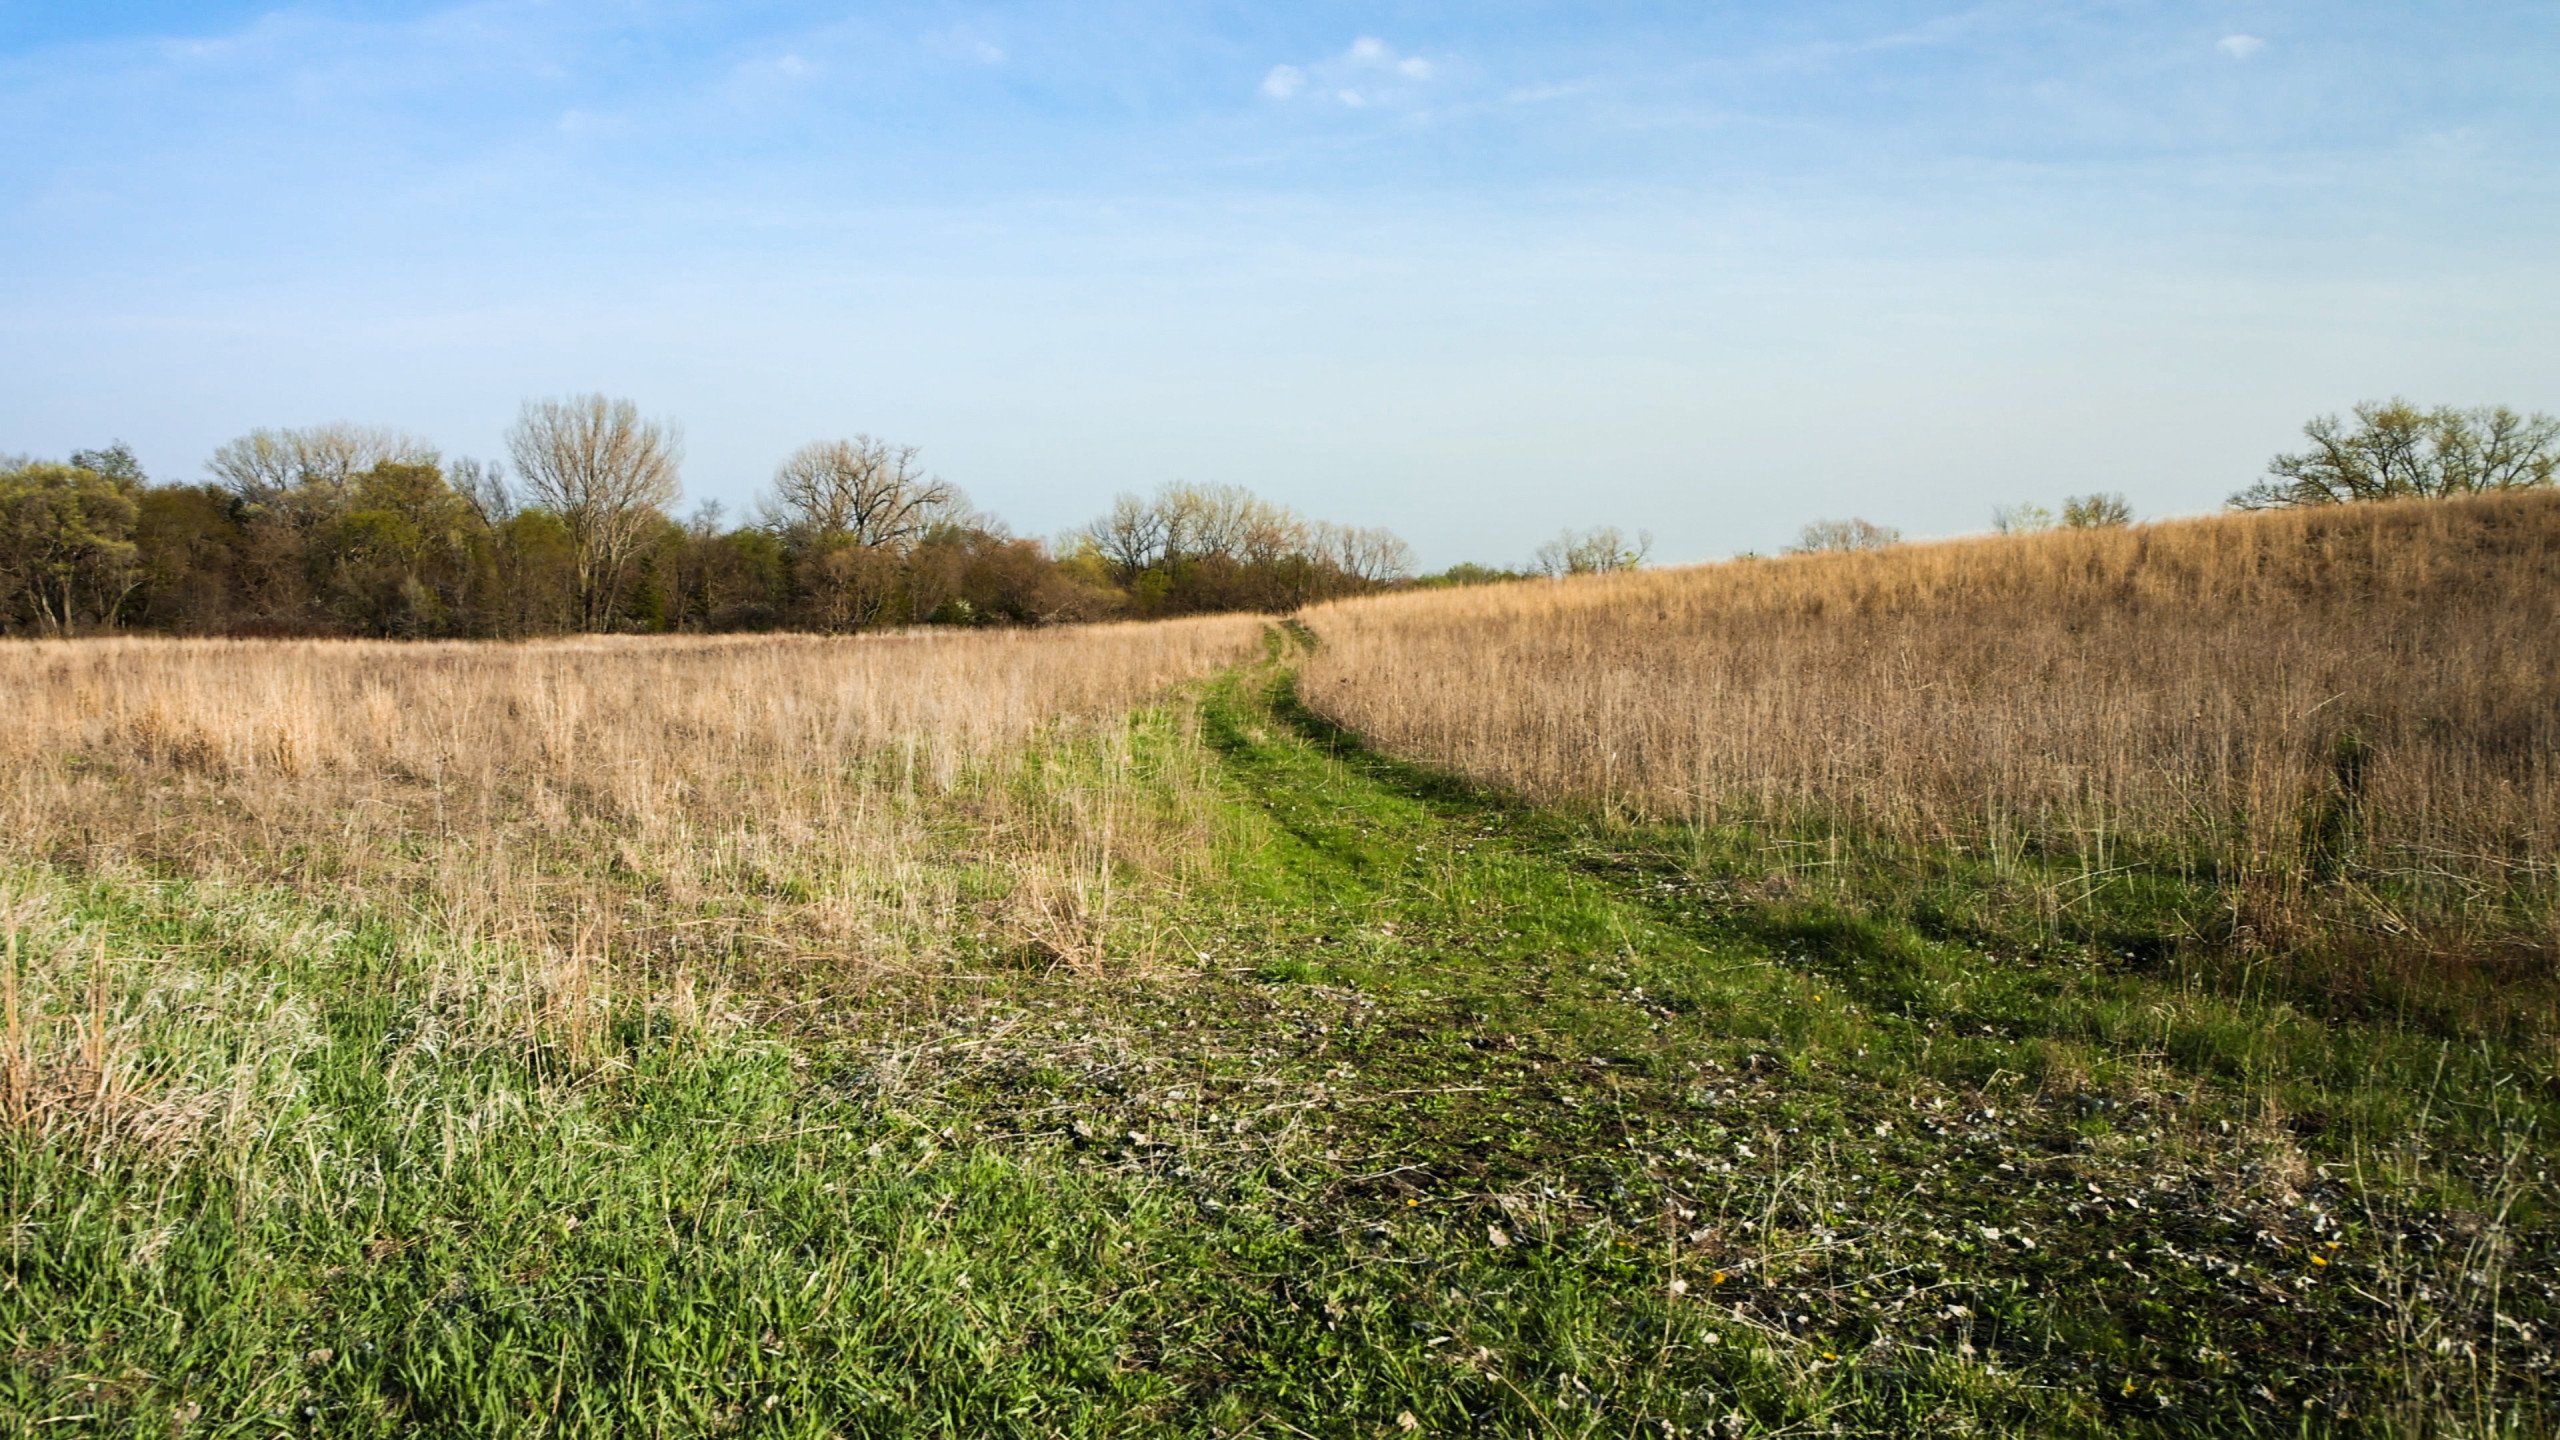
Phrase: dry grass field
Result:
[1819,996]
[775,790]
[635,813]
[2346,720]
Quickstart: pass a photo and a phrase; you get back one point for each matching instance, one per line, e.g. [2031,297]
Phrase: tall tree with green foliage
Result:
[66,545]
[397,560]
[2397,451]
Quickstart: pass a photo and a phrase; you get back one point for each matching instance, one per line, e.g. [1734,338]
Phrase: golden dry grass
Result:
[2362,702]
[777,793]
[582,826]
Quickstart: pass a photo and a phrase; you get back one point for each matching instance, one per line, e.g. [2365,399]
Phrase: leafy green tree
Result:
[978,575]
[1468,572]
[67,556]
[397,558]
[2101,511]
[537,568]
[2396,451]
[115,461]
[189,540]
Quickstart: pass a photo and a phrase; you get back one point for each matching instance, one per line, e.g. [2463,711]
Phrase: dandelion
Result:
[1716,1279]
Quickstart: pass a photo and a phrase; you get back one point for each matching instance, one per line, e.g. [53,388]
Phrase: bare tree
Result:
[864,490]
[306,472]
[1594,551]
[483,484]
[1225,522]
[1849,534]
[2396,450]
[1129,539]
[607,474]
[2024,518]
[1368,554]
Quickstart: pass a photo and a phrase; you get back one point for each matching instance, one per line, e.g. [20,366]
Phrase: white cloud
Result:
[2240,47]
[1370,72]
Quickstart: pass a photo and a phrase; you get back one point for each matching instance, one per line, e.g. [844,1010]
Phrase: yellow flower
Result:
[2319,1259]
[1717,1278]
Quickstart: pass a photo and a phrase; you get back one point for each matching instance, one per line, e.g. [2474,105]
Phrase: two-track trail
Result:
[1584,1111]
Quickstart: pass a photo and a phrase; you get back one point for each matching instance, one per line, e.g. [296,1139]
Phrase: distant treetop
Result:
[1850,534]
[2396,451]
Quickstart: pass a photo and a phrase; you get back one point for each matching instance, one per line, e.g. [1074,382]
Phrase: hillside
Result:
[2338,729]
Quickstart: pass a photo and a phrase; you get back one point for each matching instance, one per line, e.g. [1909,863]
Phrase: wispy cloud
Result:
[2240,47]
[1370,72]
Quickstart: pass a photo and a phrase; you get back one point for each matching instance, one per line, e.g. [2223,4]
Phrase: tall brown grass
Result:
[863,801]
[2347,716]
[552,835]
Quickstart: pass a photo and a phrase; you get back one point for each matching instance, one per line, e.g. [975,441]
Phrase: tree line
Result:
[358,530]
[361,530]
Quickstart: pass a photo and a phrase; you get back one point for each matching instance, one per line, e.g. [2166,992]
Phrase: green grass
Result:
[1423,1104]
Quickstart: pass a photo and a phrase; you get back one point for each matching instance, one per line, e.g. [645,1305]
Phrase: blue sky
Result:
[1474,271]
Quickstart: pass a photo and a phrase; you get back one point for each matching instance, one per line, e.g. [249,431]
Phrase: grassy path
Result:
[1429,1114]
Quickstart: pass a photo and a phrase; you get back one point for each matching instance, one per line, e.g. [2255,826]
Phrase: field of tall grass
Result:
[1825,995]
[652,813]
[2341,724]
